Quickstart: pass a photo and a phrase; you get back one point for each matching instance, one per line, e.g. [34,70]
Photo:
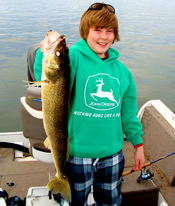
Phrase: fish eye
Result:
[57,53]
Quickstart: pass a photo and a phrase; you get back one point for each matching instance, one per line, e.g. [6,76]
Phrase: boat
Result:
[27,175]
[27,166]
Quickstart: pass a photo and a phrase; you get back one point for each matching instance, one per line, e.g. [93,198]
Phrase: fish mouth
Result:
[54,43]
[50,54]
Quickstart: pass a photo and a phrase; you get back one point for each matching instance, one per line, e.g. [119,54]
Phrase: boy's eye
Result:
[109,30]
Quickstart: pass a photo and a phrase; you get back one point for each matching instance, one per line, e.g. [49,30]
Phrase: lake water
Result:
[147,46]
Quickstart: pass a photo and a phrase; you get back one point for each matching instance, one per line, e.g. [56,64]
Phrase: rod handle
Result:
[127,173]
[147,164]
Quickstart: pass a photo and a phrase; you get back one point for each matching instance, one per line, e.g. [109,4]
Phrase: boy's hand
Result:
[42,46]
[139,159]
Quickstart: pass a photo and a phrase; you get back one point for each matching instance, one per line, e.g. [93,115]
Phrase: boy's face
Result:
[100,40]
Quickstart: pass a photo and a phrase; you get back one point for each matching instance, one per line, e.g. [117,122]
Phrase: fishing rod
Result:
[147,164]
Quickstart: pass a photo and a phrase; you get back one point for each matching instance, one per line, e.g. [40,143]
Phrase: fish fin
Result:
[46,143]
[61,186]
[36,83]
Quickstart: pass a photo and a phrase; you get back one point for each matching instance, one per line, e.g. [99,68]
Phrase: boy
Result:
[103,107]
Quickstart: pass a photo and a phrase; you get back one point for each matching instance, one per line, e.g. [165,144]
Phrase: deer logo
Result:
[106,95]
[101,93]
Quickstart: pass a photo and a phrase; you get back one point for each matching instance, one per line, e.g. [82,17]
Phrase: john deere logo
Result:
[102,92]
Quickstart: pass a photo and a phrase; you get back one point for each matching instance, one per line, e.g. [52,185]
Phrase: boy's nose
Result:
[103,35]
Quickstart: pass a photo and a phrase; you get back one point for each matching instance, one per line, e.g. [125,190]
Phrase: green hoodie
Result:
[103,104]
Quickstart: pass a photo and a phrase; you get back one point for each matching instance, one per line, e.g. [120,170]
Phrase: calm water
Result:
[147,46]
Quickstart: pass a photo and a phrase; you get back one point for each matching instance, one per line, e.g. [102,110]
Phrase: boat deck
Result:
[23,173]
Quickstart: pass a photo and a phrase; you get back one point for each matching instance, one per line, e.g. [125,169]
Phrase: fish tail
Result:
[61,186]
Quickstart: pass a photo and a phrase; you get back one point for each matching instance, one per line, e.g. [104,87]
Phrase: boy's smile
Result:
[100,40]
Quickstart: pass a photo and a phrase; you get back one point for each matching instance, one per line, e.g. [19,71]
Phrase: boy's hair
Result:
[98,19]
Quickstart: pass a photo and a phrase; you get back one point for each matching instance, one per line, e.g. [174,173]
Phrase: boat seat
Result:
[31,107]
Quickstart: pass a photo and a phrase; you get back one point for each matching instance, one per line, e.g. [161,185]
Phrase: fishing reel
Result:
[145,175]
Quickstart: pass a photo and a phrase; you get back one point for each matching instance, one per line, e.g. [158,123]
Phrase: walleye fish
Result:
[55,94]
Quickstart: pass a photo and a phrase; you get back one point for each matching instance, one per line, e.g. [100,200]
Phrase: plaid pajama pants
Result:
[103,174]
